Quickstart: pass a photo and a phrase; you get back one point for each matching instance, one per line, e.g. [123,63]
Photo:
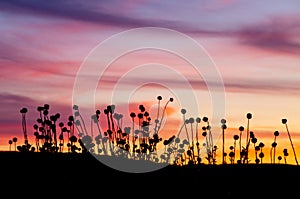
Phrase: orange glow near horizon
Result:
[173,121]
[43,50]
[282,143]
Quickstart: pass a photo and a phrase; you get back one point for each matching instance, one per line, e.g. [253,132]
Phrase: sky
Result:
[251,52]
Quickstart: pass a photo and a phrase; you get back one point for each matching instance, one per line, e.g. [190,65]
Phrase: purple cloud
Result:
[278,34]
[11,104]
[77,10]
[231,85]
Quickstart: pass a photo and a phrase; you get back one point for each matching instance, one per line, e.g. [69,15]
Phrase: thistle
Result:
[284,121]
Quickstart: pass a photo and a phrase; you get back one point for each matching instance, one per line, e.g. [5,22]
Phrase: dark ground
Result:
[81,175]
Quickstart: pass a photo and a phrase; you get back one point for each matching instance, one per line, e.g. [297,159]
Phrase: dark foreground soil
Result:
[80,175]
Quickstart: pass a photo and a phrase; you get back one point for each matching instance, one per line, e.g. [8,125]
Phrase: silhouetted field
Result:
[73,174]
[62,160]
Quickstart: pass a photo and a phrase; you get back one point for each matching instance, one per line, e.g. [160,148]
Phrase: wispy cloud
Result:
[263,87]
[11,104]
[95,12]
[230,85]
[278,34]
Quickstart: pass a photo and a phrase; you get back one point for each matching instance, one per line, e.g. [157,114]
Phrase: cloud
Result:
[10,52]
[277,34]
[263,87]
[121,14]
[11,104]
[75,10]
[232,84]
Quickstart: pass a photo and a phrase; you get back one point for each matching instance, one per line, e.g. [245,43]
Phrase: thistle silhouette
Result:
[273,148]
[26,146]
[233,149]
[261,154]
[138,141]
[285,155]
[198,120]
[10,143]
[284,121]
[241,129]
[246,158]
[15,139]
[223,126]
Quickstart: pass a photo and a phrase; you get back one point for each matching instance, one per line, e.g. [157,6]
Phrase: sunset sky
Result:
[254,46]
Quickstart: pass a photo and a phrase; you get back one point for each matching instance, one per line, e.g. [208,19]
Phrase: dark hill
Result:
[74,174]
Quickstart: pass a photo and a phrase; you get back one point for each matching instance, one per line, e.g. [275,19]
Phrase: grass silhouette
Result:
[138,141]
[70,146]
